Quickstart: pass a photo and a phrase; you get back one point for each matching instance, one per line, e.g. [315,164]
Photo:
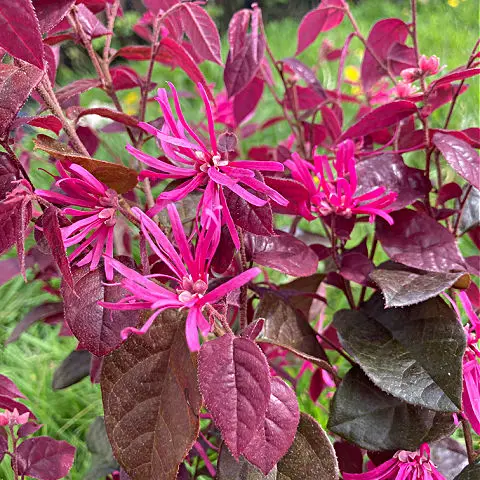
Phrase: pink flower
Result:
[471,367]
[96,215]
[196,164]
[335,194]
[403,466]
[13,418]
[189,274]
[405,90]
[429,65]
[410,75]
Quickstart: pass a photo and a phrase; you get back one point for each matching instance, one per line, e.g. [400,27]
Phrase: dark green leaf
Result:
[74,368]
[230,469]
[414,353]
[311,454]
[374,420]
[287,327]
[403,286]
[103,461]
[472,472]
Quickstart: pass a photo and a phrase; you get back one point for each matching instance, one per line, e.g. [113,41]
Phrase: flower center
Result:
[204,161]
[191,290]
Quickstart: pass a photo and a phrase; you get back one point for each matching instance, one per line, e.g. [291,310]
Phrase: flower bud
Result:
[429,66]
[409,75]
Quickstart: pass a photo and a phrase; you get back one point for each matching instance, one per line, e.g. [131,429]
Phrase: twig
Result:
[467,434]
[17,163]
[243,288]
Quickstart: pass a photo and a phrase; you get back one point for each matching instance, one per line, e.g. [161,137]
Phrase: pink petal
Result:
[262,166]
[211,124]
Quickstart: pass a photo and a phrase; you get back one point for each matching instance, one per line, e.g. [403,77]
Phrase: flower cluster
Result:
[188,274]
[403,466]
[426,66]
[198,165]
[11,418]
[335,193]
[93,219]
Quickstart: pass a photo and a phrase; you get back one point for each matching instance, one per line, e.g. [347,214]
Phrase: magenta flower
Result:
[13,418]
[403,466]
[196,164]
[93,221]
[471,367]
[189,274]
[335,194]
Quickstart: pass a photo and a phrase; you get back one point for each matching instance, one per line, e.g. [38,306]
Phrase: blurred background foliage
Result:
[447,28]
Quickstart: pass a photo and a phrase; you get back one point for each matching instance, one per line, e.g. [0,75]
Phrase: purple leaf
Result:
[245,102]
[356,267]
[237,30]
[97,329]
[403,286]
[295,192]
[44,312]
[151,400]
[20,33]
[253,329]
[401,57]
[124,77]
[49,122]
[202,32]
[28,429]
[319,20]
[235,382]
[45,458]
[283,252]
[382,117]
[16,85]
[381,39]
[51,12]
[8,174]
[274,437]
[389,170]
[7,403]
[453,76]
[51,229]
[253,219]
[417,240]
[461,157]
[9,389]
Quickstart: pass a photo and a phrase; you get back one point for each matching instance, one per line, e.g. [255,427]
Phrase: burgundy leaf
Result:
[8,403]
[448,191]
[45,458]
[44,312]
[51,12]
[384,34]
[403,286]
[453,76]
[417,240]
[124,77]
[283,252]
[91,142]
[253,219]
[8,174]
[15,215]
[28,429]
[317,385]
[8,388]
[389,170]
[440,96]
[328,15]
[202,32]
[400,57]
[237,30]
[20,33]
[300,69]
[356,267]
[51,229]
[382,117]
[349,456]
[241,68]
[16,85]
[245,102]
[91,25]
[97,329]
[274,437]
[461,157]
[49,122]
[151,400]
[295,192]
[331,122]
[235,382]
[75,88]
[252,331]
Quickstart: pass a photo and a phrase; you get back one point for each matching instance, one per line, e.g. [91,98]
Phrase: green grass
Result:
[444,31]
